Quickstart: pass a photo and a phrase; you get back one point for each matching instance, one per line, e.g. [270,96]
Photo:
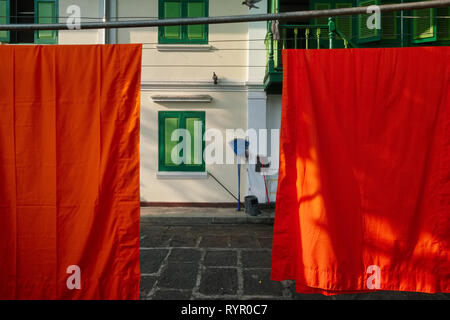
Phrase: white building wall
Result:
[188,70]
[90,12]
[226,110]
[238,101]
[228,59]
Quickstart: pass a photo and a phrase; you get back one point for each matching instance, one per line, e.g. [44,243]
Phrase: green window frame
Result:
[424,27]
[168,121]
[365,34]
[45,11]
[443,24]
[323,37]
[344,23]
[321,5]
[389,24]
[5,19]
[193,34]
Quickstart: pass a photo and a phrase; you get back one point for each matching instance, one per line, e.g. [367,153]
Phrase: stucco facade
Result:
[234,52]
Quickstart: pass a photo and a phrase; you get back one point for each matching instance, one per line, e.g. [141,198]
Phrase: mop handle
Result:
[239,187]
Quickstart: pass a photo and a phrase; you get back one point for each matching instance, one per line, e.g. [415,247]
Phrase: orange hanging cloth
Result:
[363,200]
[69,172]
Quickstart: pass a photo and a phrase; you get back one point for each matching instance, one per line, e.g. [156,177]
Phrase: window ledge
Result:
[184,47]
[182,98]
[181,175]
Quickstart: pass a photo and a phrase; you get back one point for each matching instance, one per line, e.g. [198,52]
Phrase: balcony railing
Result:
[296,36]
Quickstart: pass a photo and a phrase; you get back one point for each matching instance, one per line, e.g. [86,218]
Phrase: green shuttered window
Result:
[318,5]
[195,34]
[424,25]
[45,11]
[4,19]
[323,36]
[181,150]
[321,6]
[195,9]
[389,25]
[344,23]
[172,9]
[443,24]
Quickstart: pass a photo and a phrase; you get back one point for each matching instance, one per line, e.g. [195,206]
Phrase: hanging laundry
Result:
[363,199]
[69,172]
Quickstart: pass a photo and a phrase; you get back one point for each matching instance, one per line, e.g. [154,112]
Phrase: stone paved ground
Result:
[221,262]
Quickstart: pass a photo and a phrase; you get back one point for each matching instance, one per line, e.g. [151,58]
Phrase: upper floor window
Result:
[418,26]
[29,11]
[192,34]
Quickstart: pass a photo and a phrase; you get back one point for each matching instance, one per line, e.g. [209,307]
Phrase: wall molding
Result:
[254,85]
[181,175]
[203,204]
[201,86]
[183,47]
[202,98]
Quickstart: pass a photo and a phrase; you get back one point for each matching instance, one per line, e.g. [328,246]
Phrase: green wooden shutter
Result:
[389,22]
[344,23]
[172,9]
[443,24]
[45,11]
[196,9]
[424,26]
[196,152]
[170,125]
[169,9]
[391,26]
[4,19]
[169,158]
[189,120]
[320,5]
[365,34]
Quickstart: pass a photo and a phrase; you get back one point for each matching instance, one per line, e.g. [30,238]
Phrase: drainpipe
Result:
[108,12]
[111,14]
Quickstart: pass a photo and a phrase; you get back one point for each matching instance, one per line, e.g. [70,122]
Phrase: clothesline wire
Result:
[197,66]
[246,18]
[156,18]
[311,37]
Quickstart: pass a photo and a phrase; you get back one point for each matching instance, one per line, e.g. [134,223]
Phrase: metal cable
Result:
[230,19]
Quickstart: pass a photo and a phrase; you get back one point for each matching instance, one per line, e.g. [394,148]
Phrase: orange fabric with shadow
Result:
[69,171]
[364,176]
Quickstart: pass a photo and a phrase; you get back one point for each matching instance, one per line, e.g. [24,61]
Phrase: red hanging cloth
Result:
[69,172]
[363,199]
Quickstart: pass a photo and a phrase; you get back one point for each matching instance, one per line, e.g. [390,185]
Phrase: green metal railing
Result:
[290,33]
[297,36]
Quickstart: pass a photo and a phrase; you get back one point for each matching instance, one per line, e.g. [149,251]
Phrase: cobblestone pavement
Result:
[221,262]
